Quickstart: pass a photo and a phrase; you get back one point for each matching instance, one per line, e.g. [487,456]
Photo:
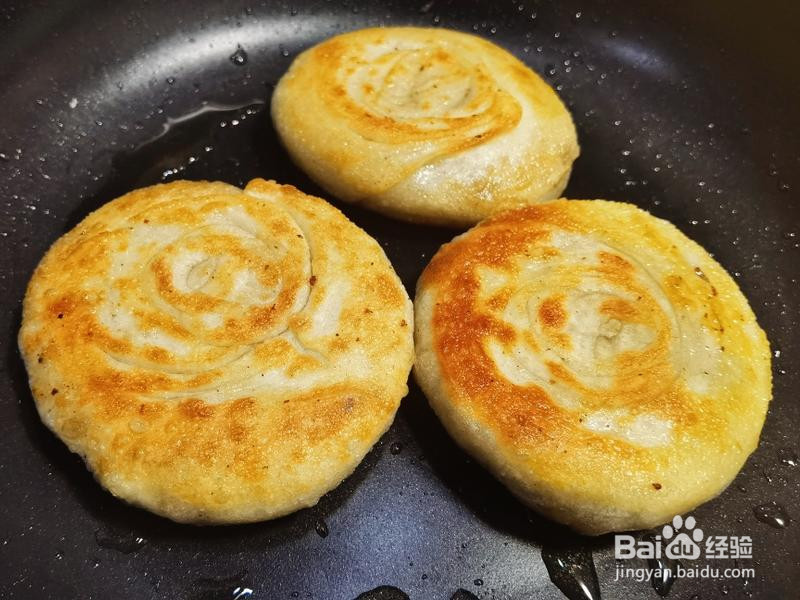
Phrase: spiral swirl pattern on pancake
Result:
[424,124]
[217,355]
[603,365]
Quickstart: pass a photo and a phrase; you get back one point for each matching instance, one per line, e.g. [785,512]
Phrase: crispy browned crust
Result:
[217,355]
[428,125]
[602,364]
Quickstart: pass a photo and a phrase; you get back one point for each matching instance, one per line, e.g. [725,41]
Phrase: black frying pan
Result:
[689,110]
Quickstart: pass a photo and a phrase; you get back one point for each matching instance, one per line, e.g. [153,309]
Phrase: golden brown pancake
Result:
[428,125]
[601,364]
[217,355]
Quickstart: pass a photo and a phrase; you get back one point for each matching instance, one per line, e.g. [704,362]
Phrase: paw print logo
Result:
[683,538]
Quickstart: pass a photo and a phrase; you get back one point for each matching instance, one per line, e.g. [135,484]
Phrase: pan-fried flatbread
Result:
[427,125]
[217,355]
[599,362]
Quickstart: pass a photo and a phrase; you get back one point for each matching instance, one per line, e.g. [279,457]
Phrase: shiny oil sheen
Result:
[689,112]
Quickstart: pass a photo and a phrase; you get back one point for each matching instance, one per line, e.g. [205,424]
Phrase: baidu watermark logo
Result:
[680,540]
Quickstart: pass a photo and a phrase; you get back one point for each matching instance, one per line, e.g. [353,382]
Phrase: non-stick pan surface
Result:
[690,110]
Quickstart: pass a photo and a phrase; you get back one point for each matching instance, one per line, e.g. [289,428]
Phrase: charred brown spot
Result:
[618,308]
[237,433]
[614,261]
[164,322]
[673,280]
[312,280]
[150,408]
[62,306]
[53,392]
[155,354]
[552,313]
[194,408]
[242,407]
[656,486]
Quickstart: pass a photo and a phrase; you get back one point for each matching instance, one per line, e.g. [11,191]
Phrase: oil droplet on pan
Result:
[664,572]
[239,58]
[125,542]
[321,528]
[773,514]
[242,593]
[573,572]
[788,457]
